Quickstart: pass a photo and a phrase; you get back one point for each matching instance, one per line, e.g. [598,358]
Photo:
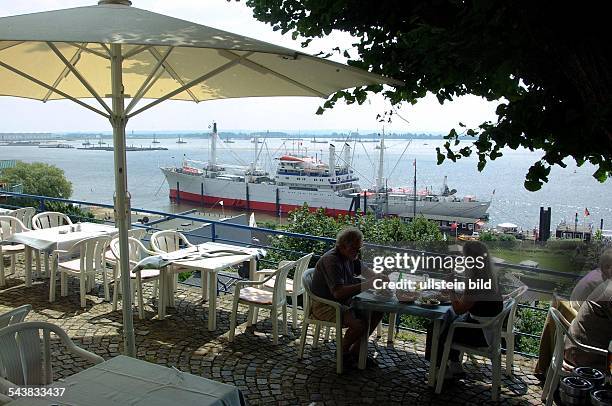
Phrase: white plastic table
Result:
[53,238]
[127,381]
[369,302]
[209,268]
[4,211]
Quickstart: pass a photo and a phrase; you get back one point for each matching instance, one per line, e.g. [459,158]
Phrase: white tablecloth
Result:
[61,237]
[125,381]
[3,211]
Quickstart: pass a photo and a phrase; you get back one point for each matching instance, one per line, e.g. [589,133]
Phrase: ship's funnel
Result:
[213,148]
[332,160]
[347,156]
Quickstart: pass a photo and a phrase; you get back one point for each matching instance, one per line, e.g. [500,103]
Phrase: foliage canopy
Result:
[545,63]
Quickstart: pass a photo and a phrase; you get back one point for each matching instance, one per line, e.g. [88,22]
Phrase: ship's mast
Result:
[213,148]
[381,161]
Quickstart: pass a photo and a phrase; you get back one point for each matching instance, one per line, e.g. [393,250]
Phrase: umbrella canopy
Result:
[113,50]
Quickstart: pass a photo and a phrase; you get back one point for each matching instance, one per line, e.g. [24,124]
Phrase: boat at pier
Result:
[300,180]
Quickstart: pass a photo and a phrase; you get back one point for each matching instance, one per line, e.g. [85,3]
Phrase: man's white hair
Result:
[349,236]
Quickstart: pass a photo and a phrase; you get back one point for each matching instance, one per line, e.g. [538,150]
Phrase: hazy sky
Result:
[281,113]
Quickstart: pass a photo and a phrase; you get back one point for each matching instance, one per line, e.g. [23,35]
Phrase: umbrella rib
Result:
[64,74]
[136,51]
[191,84]
[79,77]
[149,81]
[46,86]
[246,62]
[173,73]
[89,50]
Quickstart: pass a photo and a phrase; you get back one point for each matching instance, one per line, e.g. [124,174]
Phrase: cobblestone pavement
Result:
[266,374]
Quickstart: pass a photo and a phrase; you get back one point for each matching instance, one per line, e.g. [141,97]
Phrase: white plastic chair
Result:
[9,226]
[493,351]
[24,214]
[11,317]
[309,319]
[557,366]
[509,329]
[137,251]
[25,353]
[14,316]
[166,241]
[137,233]
[48,219]
[89,263]
[247,294]
[295,286]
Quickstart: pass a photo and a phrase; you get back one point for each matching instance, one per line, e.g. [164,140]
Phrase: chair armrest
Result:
[241,284]
[266,271]
[328,302]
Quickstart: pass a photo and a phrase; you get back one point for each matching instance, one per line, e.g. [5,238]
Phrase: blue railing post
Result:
[213,235]
[41,205]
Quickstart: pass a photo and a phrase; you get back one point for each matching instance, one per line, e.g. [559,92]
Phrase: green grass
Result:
[547,259]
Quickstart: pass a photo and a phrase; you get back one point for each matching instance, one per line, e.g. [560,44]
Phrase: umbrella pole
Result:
[122,202]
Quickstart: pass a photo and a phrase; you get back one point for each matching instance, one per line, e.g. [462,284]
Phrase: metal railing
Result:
[214,236]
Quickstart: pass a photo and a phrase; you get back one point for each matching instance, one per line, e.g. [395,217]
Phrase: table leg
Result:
[161,301]
[435,336]
[28,266]
[363,348]
[212,301]
[205,280]
[253,269]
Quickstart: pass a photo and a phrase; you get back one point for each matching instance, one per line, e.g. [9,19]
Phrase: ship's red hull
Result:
[242,204]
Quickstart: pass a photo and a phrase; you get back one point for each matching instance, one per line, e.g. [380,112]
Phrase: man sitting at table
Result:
[335,278]
[592,280]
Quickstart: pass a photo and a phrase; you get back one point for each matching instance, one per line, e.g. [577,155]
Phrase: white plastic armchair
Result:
[48,219]
[295,285]
[24,214]
[90,261]
[168,241]
[556,367]
[137,233]
[509,329]
[25,353]
[309,319]
[14,316]
[492,351]
[137,251]
[8,226]
[246,293]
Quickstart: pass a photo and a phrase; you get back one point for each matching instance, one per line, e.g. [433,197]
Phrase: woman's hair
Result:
[348,236]
[483,268]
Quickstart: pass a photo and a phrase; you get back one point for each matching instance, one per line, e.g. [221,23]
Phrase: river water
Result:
[568,191]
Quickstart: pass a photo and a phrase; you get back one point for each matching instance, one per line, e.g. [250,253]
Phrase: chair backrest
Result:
[168,241]
[516,295]
[136,250]
[279,293]
[24,214]
[300,267]
[14,316]
[25,352]
[50,219]
[562,331]
[91,253]
[10,225]
[494,325]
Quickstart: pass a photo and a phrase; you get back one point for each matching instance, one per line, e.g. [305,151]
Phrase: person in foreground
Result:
[336,278]
[472,306]
[592,326]
[594,279]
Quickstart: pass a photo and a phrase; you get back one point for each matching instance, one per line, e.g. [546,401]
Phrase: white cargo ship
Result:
[303,179]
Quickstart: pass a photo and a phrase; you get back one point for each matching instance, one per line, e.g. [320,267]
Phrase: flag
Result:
[454,226]
[586,212]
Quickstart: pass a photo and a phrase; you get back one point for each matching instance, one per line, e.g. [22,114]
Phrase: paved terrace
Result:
[265,373]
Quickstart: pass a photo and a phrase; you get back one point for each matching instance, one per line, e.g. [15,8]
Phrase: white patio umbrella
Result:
[112,50]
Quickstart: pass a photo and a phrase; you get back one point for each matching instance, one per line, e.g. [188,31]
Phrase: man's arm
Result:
[343,292]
